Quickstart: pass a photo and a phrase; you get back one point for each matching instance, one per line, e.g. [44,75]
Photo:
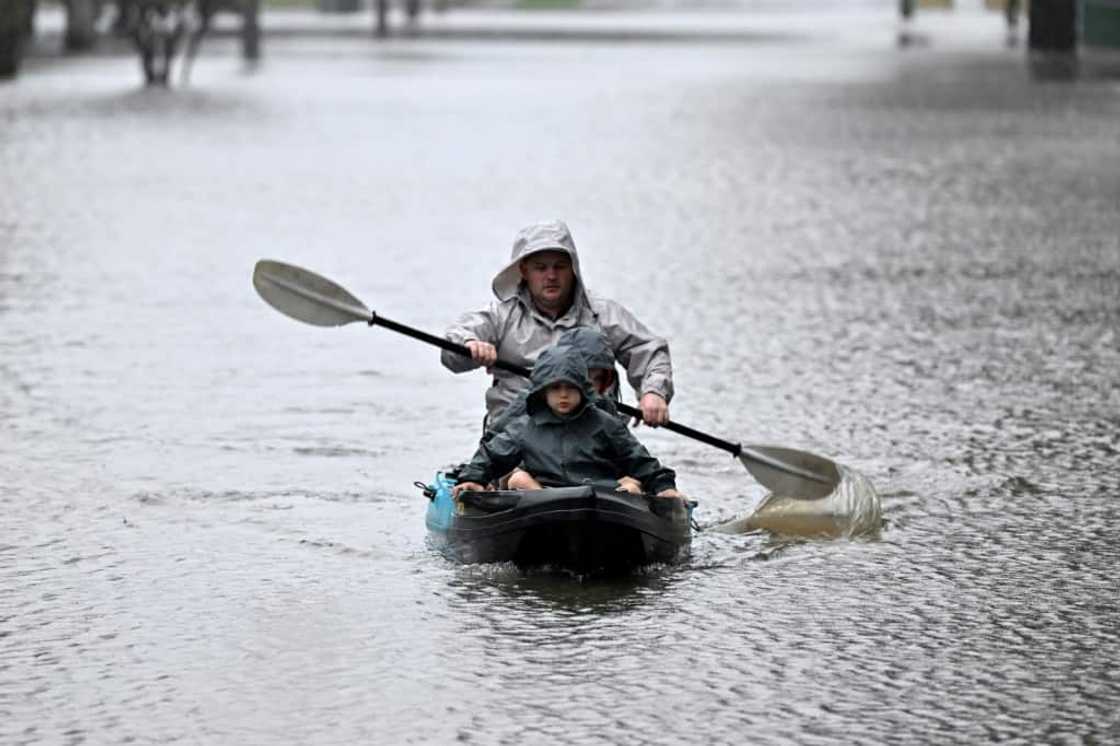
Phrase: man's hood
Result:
[558,363]
[551,235]
[591,343]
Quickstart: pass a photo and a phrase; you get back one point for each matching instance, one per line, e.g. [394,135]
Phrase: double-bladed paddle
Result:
[313,299]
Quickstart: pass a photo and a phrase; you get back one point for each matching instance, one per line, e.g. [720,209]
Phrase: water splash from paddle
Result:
[852,509]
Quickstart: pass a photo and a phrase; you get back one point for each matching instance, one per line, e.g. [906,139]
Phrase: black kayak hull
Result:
[582,529]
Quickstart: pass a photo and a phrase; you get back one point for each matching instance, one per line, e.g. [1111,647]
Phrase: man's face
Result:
[550,279]
[562,397]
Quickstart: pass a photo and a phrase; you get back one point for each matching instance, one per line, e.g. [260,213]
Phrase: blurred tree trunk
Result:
[81,17]
[1053,25]
[15,28]
[382,17]
[251,29]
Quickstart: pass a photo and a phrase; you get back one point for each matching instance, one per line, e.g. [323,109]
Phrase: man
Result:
[540,294]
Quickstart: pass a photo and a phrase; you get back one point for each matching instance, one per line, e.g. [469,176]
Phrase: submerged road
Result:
[907,260]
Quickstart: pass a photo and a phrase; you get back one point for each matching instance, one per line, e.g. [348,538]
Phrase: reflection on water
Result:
[553,589]
[904,261]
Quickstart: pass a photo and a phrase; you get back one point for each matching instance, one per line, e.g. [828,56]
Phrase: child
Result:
[600,362]
[592,345]
[563,439]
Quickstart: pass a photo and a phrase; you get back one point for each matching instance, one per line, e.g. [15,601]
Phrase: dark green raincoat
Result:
[587,446]
[592,345]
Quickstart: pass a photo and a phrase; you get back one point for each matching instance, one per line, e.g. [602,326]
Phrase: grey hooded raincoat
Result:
[520,332]
[587,446]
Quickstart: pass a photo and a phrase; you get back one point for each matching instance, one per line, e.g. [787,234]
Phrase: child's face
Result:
[602,379]
[562,397]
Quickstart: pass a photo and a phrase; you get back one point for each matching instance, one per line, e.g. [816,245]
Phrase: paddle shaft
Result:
[733,448]
[313,299]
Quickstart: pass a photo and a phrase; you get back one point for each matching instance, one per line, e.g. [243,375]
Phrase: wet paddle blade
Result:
[306,296]
[791,473]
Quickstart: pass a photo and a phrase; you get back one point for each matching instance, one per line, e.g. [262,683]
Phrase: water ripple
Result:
[906,263]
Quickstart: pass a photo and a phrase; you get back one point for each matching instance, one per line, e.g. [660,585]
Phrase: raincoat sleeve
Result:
[497,456]
[644,355]
[637,462]
[502,420]
[482,325]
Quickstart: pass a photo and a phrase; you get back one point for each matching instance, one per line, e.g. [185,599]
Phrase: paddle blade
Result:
[791,473]
[306,296]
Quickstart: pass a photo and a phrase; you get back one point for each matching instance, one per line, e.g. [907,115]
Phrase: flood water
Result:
[905,260]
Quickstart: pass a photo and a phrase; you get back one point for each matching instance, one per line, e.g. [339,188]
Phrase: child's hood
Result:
[591,343]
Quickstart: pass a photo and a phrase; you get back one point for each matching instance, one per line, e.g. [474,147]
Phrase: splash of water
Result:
[852,509]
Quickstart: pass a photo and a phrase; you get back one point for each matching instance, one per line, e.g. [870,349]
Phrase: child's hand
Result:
[631,485]
[466,486]
[670,493]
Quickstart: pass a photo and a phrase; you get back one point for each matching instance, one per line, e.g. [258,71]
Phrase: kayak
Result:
[584,529]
